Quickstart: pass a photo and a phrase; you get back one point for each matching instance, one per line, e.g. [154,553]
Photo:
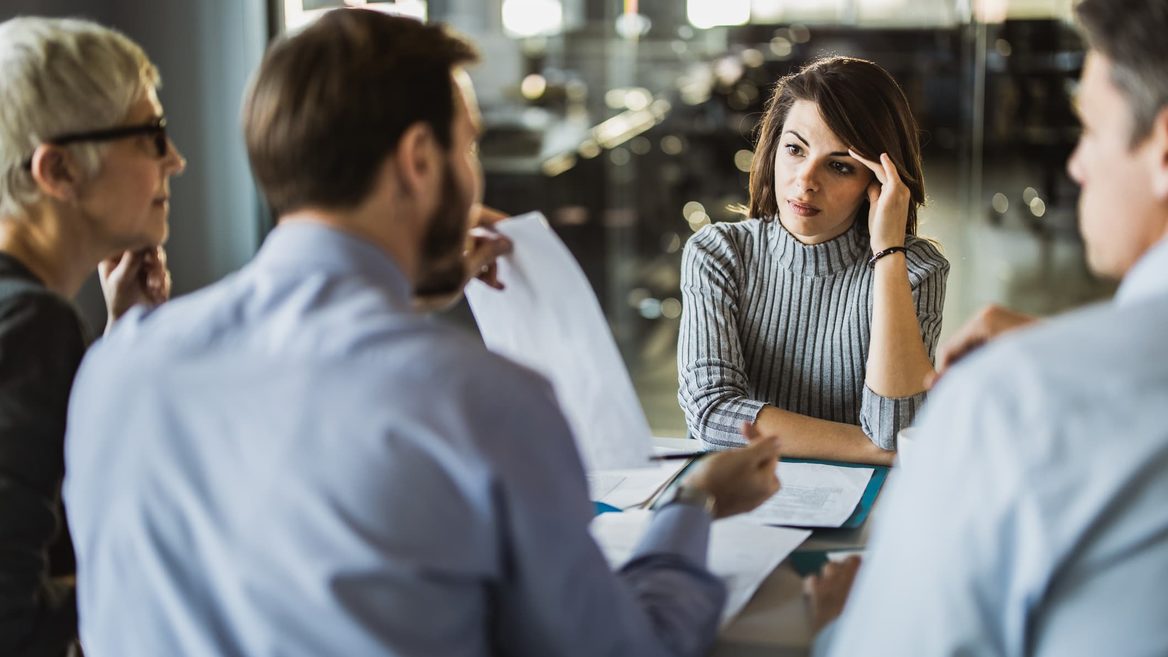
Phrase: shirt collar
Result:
[307,247]
[1148,277]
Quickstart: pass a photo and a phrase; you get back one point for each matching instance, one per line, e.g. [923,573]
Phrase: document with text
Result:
[742,554]
[549,320]
[813,495]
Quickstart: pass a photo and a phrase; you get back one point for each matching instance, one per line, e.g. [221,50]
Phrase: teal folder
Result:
[879,474]
[808,562]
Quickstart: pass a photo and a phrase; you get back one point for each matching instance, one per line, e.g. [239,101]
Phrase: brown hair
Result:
[1130,33]
[331,102]
[863,106]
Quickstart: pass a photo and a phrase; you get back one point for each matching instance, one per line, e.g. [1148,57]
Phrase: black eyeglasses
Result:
[155,129]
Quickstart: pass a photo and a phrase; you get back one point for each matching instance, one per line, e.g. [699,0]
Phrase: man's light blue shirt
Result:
[293,462]
[1035,520]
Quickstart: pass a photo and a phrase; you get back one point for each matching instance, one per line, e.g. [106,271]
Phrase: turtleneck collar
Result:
[823,259]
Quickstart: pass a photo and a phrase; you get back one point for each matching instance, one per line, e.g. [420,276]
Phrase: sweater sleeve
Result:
[712,382]
[882,417]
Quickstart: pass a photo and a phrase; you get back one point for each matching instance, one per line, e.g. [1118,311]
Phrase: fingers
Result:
[811,584]
[485,215]
[827,591]
[765,447]
[154,277]
[955,349]
[877,168]
[486,247]
[890,173]
[989,323]
[750,432]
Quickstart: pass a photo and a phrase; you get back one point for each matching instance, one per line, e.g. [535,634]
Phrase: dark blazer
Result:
[42,340]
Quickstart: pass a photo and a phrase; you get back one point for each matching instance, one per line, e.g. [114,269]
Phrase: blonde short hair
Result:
[59,76]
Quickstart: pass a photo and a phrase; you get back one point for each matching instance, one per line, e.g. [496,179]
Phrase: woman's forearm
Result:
[807,437]
[898,362]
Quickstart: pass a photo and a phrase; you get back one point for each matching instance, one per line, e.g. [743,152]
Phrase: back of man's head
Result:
[1133,36]
[331,102]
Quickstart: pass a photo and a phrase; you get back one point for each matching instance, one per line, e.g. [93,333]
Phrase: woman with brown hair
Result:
[818,316]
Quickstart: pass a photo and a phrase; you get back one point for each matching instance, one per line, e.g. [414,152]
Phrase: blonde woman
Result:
[84,168]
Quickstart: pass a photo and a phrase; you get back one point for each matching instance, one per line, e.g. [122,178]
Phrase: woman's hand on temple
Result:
[888,201]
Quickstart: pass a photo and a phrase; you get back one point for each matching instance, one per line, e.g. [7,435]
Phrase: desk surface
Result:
[775,622]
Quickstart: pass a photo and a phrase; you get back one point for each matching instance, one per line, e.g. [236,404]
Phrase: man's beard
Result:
[441,270]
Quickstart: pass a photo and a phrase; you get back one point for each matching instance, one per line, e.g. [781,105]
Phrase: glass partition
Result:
[630,125]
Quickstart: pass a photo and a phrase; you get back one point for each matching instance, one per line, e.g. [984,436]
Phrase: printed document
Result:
[742,554]
[549,320]
[813,495]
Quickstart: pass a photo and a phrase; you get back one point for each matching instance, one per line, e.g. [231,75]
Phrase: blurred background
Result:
[630,125]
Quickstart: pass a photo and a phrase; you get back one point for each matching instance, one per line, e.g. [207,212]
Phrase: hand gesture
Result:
[484,245]
[827,591]
[888,201]
[131,278]
[739,479]
[989,323]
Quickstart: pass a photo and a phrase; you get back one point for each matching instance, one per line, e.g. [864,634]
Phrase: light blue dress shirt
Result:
[292,462]
[1035,520]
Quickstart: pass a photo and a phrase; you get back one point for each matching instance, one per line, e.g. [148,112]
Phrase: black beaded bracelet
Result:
[880,254]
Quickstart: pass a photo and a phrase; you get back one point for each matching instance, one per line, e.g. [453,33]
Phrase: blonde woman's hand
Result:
[131,278]
[888,200]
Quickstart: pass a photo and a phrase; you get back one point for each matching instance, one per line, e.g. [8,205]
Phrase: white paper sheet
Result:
[742,554]
[548,319]
[632,487]
[813,495]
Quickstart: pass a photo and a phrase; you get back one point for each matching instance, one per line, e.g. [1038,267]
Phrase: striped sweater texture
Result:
[769,320]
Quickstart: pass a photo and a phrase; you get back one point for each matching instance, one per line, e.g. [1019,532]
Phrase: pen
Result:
[675,456]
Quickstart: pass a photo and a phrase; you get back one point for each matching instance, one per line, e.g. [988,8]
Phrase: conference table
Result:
[776,621]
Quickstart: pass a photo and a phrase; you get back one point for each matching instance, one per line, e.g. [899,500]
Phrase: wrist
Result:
[690,495]
[879,244]
[886,254]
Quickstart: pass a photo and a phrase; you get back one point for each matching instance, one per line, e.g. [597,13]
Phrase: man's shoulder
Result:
[1089,366]
[1103,338]
[456,360]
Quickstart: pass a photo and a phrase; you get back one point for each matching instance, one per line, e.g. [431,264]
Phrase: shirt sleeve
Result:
[712,381]
[559,596]
[41,345]
[882,417]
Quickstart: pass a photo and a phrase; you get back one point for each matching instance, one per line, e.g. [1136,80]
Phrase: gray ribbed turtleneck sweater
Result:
[769,320]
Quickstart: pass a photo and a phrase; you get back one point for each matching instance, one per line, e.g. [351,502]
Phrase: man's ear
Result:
[417,160]
[1158,143]
[55,172]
